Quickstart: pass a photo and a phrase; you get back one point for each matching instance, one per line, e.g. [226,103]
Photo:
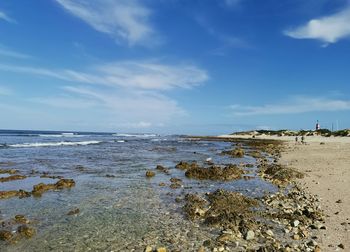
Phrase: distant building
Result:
[318,126]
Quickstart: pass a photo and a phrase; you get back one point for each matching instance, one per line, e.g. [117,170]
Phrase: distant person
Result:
[296,140]
[302,139]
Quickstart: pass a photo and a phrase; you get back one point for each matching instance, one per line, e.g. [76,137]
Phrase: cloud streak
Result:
[296,105]
[328,29]
[5,17]
[126,74]
[123,20]
[6,52]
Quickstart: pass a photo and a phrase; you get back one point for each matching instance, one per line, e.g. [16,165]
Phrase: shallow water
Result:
[117,213]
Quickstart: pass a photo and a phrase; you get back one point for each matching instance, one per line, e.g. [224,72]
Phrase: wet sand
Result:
[327,169]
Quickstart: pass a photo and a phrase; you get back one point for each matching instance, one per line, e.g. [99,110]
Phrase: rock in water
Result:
[26,231]
[150,174]
[5,235]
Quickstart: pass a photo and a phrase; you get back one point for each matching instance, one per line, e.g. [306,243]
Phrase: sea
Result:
[119,208]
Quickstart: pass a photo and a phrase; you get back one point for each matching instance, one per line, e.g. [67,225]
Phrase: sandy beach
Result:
[326,163]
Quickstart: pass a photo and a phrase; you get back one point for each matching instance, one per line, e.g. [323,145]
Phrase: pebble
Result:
[296,237]
[250,235]
[295,223]
[148,249]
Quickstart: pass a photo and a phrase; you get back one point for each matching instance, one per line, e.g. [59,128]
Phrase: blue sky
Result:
[174,66]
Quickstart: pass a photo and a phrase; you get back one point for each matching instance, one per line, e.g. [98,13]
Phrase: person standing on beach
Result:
[296,140]
[302,139]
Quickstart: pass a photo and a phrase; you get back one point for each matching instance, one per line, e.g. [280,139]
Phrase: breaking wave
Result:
[50,144]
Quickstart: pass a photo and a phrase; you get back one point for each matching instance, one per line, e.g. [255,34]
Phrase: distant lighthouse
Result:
[317,125]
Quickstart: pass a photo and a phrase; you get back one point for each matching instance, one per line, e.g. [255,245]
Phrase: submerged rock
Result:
[237,153]
[10,194]
[184,165]
[26,231]
[162,169]
[150,174]
[40,188]
[21,219]
[74,211]
[8,171]
[5,235]
[13,177]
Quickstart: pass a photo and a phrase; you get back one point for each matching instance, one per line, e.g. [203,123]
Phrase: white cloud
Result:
[328,29]
[296,105]
[129,93]
[5,17]
[127,74]
[150,107]
[124,20]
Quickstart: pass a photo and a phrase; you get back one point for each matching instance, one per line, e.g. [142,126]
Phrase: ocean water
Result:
[120,209]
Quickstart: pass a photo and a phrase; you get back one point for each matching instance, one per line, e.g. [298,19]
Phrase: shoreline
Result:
[325,161]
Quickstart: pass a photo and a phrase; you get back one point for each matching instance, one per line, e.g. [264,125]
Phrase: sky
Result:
[174,66]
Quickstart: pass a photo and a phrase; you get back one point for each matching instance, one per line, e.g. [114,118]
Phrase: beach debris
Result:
[339,201]
[150,174]
[13,177]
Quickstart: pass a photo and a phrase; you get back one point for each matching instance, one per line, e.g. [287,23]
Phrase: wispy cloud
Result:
[232,3]
[227,41]
[129,92]
[130,106]
[328,29]
[5,17]
[127,74]
[124,20]
[6,52]
[295,105]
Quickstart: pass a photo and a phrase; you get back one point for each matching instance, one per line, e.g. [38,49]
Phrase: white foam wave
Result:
[134,135]
[120,141]
[61,135]
[49,144]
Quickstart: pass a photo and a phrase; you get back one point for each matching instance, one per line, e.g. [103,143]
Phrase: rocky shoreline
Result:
[288,220]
